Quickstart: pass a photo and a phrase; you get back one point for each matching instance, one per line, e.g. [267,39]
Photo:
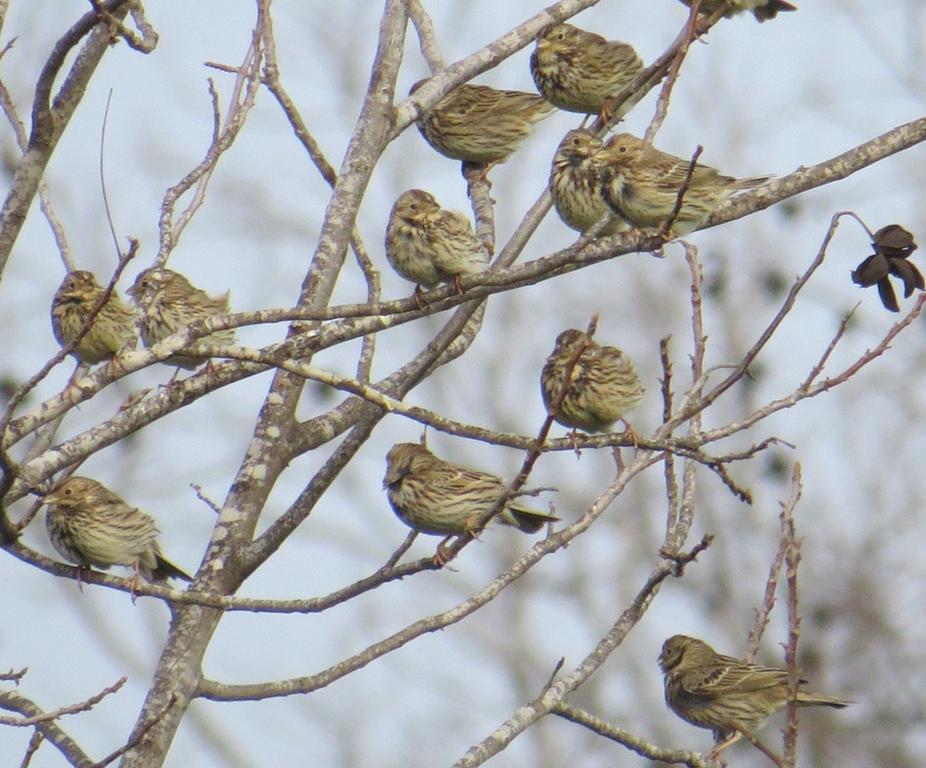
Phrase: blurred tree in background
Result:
[259,147]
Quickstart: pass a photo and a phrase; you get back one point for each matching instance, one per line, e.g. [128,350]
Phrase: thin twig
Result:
[688,35]
[145,43]
[22,141]
[427,38]
[13,677]
[837,337]
[137,735]
[383,575]
[669,477]
[666,228]
[768,602]
[243,96]
[631,741]
[792,559]
[35,741]
[70,709]
[51,115]
[786,307]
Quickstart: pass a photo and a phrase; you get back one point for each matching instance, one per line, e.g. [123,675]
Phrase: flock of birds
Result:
[612,185]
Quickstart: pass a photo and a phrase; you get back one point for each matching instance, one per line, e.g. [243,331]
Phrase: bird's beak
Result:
[49,498]
[393,476]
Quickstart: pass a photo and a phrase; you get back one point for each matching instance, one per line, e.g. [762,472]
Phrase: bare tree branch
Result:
[631,741]
[50,117]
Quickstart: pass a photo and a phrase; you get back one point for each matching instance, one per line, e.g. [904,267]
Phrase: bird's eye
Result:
[67,491]
[622,149]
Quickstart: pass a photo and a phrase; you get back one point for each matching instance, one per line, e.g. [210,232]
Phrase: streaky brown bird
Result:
[726,695]
[602,384]
[92,527]
[576,186]
[437,497]
[479,124]
[642,184]
[763,10]
[112,328]
[428,245]
[168,303]
[579,71]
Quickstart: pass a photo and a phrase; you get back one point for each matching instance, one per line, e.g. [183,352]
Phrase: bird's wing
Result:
[454,479]
[731,674]
[457,223]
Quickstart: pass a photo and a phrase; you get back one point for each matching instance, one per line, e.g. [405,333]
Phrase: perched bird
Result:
[578,70]
[169,303]
[602,386]
[763,10]
[429,245]
[434,496]
[91,526]
[727,695]
[575,184]
[479,124]
[112,328]
[642,184]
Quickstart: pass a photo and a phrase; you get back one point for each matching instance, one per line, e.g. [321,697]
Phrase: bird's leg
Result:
[470,525]
[442,556]
[629,432]
[172,381]
[738,733]
[665,231]
[417,297]
[728,742]
[634,234]
[482,176]
[136,570]
[113,368]
[575,442]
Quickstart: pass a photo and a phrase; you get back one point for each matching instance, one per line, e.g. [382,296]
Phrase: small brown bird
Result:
[642,185]
[168,303]
[602,388]
[763,10]
[112,328]
[429,245]
[479,124]
[437,497]
[578,70]
[91,526]
[575,184]
[724,694]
